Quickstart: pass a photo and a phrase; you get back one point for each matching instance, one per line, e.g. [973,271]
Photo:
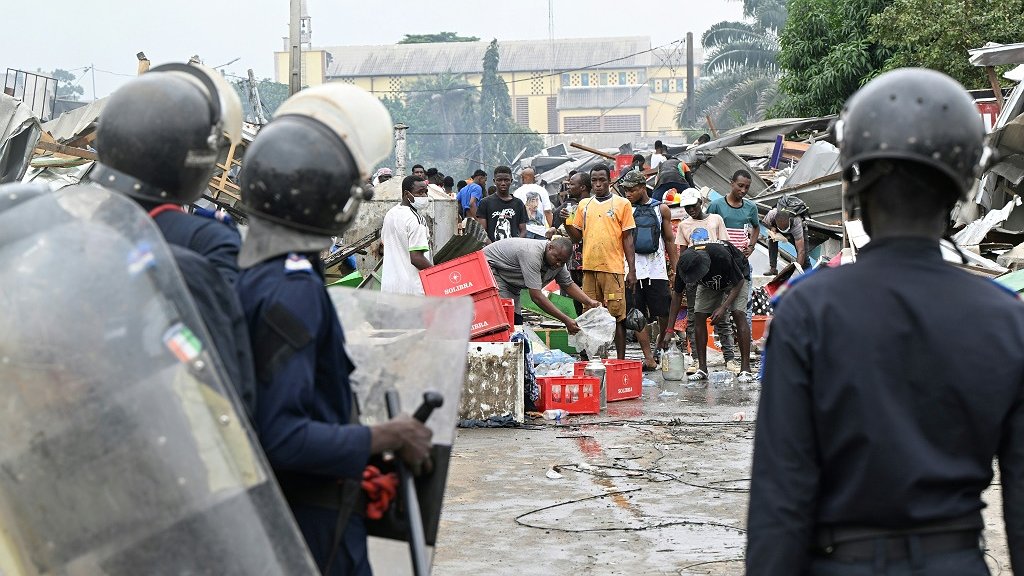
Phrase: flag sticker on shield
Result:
[182,342]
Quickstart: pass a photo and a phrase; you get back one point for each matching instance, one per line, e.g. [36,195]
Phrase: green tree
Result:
[502,138]
[828,52]
[272,94]
[67,84]
[937,34]
[741,68]
[442,37]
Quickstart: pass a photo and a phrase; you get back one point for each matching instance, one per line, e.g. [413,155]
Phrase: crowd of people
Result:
[621,247]
[874,438]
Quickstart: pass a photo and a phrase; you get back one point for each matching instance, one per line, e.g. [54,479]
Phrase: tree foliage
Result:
[457,126]
[272,94]
[828,52]
[67,84]
[440,37]
[937,33]
[741,68]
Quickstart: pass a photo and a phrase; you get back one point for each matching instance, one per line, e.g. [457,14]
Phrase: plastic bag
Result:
[597,328]
[635,320]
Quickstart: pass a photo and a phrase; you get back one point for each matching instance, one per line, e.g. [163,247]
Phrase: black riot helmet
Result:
[915,115]
[160,136]
[305,169]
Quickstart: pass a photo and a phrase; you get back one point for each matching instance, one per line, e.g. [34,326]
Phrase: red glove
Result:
[380,490]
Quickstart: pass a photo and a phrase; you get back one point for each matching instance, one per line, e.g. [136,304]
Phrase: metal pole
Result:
[295,47]
[93,68]
[400,150]
[691,109]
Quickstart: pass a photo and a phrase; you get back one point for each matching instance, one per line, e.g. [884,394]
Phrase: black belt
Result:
[856,543]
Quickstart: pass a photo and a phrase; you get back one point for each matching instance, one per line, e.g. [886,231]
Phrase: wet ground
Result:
[656,485]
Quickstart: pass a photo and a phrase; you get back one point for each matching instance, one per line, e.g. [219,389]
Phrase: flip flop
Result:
[697,376]
[745,377]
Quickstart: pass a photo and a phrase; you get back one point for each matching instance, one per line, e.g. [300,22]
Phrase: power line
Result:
[548,133]
[531,78]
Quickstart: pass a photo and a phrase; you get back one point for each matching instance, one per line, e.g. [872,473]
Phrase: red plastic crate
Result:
[575,394]
[510,310]
[499,336]
[463,276]
[623,379]
[488,314]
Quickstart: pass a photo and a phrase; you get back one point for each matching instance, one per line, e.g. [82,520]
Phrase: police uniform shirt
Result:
[305,399]
[888,387]
[214,240]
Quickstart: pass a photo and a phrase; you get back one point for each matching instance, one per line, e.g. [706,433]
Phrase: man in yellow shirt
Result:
[604,222]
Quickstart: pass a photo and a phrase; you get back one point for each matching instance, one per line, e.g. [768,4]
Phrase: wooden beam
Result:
[592,150]
[66,150]
[994,81]
[714,132]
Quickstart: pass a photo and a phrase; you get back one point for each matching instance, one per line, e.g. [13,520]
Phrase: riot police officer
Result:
[877,427]
[158,142]
[301,185]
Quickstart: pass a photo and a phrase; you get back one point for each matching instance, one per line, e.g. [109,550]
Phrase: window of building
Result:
[523,111]
[553,114]
[584,79]
[604,78]
[622,78]
[622,123]
[641,76]
[565,79]
[680,85]
[581,124]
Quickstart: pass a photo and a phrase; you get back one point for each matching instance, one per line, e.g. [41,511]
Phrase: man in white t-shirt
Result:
[406,241]
[660,154]
[538,205]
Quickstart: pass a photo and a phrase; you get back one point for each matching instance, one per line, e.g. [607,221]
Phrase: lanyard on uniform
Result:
[164,208]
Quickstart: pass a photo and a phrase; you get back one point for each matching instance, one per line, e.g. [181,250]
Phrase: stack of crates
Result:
[470,275]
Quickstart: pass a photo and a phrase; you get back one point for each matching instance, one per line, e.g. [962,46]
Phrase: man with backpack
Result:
[652,238]
[785,223]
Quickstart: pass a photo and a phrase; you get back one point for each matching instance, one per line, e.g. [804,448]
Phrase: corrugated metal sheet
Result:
[575,98]
[993,54]
[70,124]
[467,57]
[717,173]
[19,132]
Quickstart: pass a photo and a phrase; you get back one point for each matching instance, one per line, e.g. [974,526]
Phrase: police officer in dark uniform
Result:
[159,139]
[877,426]
[300,186]
[158,142]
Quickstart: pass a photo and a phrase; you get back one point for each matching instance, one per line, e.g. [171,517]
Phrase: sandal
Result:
[745,377]
[698,376]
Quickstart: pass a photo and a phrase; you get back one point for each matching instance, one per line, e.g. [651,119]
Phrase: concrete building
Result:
[581,87]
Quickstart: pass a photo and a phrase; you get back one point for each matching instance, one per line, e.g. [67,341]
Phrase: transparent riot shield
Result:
[410,344]
[123,450]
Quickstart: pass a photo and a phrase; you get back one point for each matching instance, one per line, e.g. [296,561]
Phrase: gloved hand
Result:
[380,490]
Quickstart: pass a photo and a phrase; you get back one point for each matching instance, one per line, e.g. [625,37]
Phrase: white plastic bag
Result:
[597,328]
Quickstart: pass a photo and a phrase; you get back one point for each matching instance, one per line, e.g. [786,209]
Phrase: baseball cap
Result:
[690,198]
[694,264]
[633,178]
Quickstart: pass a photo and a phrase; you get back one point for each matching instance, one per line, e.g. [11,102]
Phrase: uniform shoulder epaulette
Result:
[297,264]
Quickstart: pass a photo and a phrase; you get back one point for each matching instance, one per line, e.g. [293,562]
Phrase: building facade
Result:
[597,90]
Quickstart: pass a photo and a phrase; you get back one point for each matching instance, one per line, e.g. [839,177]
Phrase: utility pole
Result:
[400,150]
[691,108]
[256,101]
[295,48]
[92,67]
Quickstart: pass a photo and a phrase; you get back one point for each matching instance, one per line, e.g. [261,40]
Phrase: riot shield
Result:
[124,451]
[410,344]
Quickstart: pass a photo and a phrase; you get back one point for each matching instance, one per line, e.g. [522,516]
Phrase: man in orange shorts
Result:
[604,222]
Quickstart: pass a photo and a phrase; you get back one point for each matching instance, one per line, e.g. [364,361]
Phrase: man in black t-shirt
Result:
[502,215]
[721,273]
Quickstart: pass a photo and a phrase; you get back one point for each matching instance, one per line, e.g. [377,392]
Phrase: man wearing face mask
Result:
[406,240]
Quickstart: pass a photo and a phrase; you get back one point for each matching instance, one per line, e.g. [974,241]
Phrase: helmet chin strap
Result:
[126,184]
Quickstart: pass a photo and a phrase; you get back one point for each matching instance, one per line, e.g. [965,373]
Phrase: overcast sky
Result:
[74,34]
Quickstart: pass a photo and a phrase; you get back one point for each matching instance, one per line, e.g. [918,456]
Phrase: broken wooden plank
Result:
[592,150]
[66,150]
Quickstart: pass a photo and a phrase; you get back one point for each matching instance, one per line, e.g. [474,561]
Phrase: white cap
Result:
[355,115]
[690,197]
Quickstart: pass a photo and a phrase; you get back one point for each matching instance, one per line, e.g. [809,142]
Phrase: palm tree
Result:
[741,68]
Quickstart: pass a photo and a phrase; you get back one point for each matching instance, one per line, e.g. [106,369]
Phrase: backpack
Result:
[647,234]
[669,171]
[795,206]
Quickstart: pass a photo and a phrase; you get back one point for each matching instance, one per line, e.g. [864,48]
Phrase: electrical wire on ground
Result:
[707,562]
[519,519]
